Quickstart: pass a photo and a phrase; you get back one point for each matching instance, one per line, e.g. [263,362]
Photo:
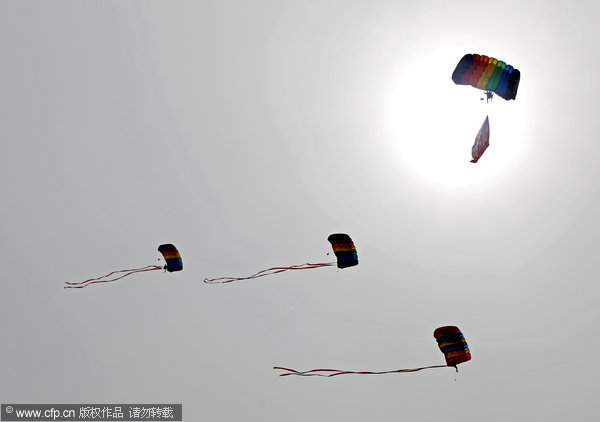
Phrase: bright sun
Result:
[433,124]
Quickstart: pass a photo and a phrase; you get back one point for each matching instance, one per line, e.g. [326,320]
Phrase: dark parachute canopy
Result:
[489,74]
[450,341]
[172,257]
[169,252]
[344,250]
[453,345]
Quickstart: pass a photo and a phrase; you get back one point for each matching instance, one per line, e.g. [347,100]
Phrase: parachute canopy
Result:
[482,141]
[452,344]
[489,74]
[172,257]
[344,250]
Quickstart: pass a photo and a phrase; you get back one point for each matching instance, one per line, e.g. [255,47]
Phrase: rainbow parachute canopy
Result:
[489,74]
[453,345]
[344,250]
[172,257]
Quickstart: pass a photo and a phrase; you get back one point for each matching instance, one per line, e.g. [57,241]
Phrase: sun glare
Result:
[433,122]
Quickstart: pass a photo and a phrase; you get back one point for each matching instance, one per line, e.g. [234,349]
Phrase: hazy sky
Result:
[247,132]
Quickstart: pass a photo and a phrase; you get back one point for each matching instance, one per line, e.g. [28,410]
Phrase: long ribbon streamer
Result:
[82,284]
[335,372]
[268,271]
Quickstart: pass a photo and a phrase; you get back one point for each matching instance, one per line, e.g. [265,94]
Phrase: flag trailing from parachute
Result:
[343,248]
[170,254]
[450,340]
[482,141]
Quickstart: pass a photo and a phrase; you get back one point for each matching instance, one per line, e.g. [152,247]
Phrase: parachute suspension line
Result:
[82,284]
[268,271]
[335,372]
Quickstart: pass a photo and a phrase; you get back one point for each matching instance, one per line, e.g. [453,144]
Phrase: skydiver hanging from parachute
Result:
[489,96]
[493,77]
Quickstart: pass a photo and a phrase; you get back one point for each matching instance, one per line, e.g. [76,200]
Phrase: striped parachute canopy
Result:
[489,74]
[344,250]
[453,345]
[172,257]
